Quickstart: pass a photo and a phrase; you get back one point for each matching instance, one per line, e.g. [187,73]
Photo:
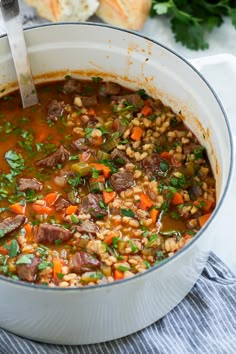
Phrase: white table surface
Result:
[221,73]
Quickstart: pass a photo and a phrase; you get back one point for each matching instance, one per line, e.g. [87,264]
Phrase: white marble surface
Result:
[221,40]
[221,73]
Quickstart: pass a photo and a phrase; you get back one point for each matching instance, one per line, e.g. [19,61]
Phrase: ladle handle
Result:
[12,19]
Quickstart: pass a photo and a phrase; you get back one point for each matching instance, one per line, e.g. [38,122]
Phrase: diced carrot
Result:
[145,202]
[108,197]
[203,219]
[28,228]
[203,204]
[96,141]
[100,178]
[56,267]
[91,112]
[165,155]
[125,258]
[85,156]
[137,133]
[146,111]
[4,250]
[51,198]
[175,162]
[154,214]
[116,222]
[108,238]
[187,237]
[18,208]
[42,208]
[118,275]
[100,167]
[71,209]
[177,199]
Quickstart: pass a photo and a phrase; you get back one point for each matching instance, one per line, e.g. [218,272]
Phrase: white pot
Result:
[105,312]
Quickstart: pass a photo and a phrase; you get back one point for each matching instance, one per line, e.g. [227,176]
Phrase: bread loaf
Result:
[65,10]
[130,14]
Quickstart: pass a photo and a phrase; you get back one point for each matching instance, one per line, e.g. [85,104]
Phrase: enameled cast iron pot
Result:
[105,312]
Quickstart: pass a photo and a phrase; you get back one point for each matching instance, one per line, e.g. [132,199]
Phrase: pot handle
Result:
[220,71]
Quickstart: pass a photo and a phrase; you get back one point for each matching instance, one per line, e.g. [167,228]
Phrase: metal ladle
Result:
[12,19]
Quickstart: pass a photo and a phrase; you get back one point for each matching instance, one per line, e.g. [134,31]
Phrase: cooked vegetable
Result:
[145,202]
[203,219]
[109,196]
[146,111]
[137,133]
[118,275]
[82,168]
[154,214]
[109,145]
[18,208]
[177,199]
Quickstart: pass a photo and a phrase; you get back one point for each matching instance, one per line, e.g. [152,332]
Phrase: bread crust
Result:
[64,10]
[130,14]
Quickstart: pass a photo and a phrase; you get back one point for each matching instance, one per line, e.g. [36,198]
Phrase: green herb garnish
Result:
[25,259]
[127,212]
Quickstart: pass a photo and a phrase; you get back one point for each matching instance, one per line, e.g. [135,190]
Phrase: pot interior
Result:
[86,50]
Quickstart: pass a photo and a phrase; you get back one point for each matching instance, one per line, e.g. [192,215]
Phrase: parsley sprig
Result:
[192,20]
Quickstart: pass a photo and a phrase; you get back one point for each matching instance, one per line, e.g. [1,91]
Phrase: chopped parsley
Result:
[44,265]
[122,268]
[15,161]
[25,259]
[127,212]
[13,248]
[153,238]
[97,79]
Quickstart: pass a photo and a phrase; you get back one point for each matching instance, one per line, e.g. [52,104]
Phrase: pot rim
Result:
[199,234]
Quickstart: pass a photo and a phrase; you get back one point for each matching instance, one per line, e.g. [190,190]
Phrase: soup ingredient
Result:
[192,20]
[97,193]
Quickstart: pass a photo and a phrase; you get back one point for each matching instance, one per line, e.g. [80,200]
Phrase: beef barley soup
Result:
[98,183]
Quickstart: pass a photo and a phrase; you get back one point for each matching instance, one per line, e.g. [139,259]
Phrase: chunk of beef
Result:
[88,227]
[132,99]
[118,154]
[109,88]
[120,181]
[58,157]
[28,272]
[91,205]
[11,224]
[48,233]
[152,165]
[79,145]
[92,122]
[118,126]
[83,262]
[29,183]
[61,204]
[89,100]
[55,110]
[189,148]
[157,105]
[72,86]
[195,191]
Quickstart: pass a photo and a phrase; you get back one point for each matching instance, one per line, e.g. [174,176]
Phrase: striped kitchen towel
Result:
[204,322]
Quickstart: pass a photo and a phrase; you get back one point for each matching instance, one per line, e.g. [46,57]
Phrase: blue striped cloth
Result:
[204,322]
